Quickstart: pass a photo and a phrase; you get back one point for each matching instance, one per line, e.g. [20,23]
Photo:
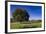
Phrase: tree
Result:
[20,15]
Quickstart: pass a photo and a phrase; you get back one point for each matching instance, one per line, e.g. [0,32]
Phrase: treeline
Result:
[36,21]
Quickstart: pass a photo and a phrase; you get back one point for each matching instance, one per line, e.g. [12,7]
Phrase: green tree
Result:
[20,15]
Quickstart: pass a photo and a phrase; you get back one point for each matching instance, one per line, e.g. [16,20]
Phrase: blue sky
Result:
[35,12]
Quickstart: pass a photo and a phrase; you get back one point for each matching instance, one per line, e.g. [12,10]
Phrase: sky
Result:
[35,12]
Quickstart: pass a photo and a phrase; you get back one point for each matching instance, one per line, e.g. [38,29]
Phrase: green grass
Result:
[18,25]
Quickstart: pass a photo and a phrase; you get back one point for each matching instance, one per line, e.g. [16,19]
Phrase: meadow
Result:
[26,24]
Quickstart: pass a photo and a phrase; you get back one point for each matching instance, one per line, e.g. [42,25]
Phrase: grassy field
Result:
[22,25]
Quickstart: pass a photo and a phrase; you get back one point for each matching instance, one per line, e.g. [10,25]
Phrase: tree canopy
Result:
[20,15]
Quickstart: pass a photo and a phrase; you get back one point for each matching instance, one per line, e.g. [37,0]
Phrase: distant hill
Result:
[36,20]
